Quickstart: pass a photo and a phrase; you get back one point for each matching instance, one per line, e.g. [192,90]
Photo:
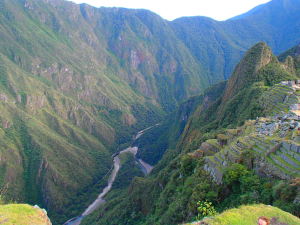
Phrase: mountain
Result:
[77,82]
[292,57]
[63,113]
[153,144]
[219,45]
[239,145]
[220,104]
[134,47]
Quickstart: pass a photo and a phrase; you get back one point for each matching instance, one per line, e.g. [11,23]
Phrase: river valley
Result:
[145,168]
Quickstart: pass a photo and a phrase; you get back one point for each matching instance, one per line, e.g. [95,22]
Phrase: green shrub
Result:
[187,165]
[205,208]
[250,182]
[234,173]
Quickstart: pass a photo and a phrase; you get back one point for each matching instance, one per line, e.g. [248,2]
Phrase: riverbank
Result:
[145,168]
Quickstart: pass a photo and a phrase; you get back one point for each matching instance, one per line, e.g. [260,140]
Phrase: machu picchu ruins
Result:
[295,86]
[274,139]
[292,83]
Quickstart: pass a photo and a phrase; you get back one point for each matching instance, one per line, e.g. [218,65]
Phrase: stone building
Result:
[295,108]
[295,84]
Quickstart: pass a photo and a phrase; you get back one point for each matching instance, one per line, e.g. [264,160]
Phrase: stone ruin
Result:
[295,84]
[295,108]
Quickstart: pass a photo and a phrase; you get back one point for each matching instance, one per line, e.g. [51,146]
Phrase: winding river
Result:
[145,167]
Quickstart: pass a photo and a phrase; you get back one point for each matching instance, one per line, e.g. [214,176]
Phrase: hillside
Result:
[219,106]
[22,215]
[62,113]
[248,215]
[240,146]
[254,75]
[219,45]
[155,141]
[118,50]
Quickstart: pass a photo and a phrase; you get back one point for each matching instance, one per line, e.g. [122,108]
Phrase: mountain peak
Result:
[245,72]
[296,51]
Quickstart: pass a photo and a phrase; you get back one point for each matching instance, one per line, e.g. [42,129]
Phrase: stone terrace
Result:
[275,140]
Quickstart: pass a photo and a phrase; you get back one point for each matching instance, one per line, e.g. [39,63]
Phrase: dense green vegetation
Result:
[219,45]
[218,122]
[129,169]
[155,141]
[176,197]
[77,82]
[249,214]
[243,97]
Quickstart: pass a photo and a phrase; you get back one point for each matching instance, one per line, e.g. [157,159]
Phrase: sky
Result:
[172,9]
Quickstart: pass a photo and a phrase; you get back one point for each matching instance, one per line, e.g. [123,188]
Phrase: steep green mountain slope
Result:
[44,136]
[220,104]
[122,49]
[166,61]
[222,156]
[63,113]
[292,57]
[257,71]
[155,141]
[220,45]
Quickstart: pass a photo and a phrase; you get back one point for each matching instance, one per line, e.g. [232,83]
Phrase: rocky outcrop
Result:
[6,124]
[128,119]
[3,97]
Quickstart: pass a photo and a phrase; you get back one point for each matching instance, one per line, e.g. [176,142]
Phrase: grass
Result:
[248,215]
[22,214]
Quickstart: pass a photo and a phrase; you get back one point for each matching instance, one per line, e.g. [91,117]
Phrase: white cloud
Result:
[170,9]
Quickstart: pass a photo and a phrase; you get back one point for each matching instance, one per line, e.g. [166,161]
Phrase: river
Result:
[145,167]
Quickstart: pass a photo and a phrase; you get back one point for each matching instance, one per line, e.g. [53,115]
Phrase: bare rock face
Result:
[28,5]
[35,102]
[19,98]
[135,59]
[6,124]
[63,76]
[128,119]
[4,98]
[43,215]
